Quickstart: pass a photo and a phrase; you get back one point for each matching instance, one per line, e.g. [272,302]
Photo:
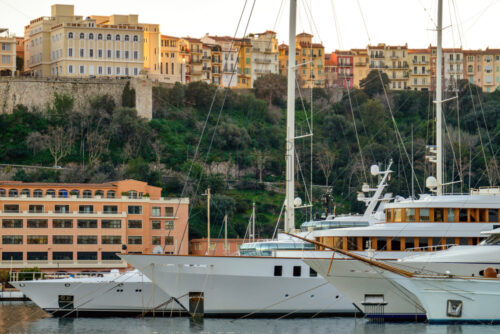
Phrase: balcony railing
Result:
[263,61]
[420,62]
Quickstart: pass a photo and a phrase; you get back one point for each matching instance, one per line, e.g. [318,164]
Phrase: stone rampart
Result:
[38,92]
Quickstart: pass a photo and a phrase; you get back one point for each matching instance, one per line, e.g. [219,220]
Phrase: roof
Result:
[304,34]
[48,184]
[266,32]
[418,51]
[169,37]
[192,40]
[221,38]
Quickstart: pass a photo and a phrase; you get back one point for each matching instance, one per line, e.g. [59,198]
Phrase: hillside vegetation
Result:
[241,150]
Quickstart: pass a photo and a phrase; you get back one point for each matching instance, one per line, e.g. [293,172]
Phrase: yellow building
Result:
[206,66]
[397,66]
[172,64]
[152,39]
[7,53]
[216,51]
[419,61]
[192,49]
[361,66]
[72,46]
[310,58]
[244,46]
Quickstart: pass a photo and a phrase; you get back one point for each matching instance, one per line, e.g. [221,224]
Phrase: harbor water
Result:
[26,317]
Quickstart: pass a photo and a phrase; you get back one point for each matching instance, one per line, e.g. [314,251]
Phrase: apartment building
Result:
[172,65]
[482,68]
[217,56]
[83,226]
[345,69]
[331,78]
[73,46]
[192,49]
[244,46]
[264,54]
[310,61]
[7,53]
[206,66]
[397,66]
[152,49]
[453,68]
[361,66]
[419,61]
[229,49]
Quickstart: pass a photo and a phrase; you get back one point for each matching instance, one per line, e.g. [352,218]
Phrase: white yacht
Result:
[108,294]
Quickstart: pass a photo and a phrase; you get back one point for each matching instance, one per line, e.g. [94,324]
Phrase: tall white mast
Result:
[290,125]
[439,91]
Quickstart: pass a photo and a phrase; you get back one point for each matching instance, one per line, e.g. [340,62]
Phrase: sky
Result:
[338,24]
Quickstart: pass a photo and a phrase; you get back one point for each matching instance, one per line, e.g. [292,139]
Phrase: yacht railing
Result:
[17,276]
[429,248]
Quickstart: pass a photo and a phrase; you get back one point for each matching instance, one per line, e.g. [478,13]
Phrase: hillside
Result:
[243,144]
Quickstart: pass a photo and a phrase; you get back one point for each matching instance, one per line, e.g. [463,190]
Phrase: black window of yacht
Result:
[409,243]
[436,243]
[450,241]
[463,241]
[352,243]
[423,243]
[395,244]
[381,244]
[297,271]
[493,215]
[367,243]
[278,270]
[462,215]
[438,215]
[312,272]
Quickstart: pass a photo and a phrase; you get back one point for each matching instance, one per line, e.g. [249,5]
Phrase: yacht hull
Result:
[243,286]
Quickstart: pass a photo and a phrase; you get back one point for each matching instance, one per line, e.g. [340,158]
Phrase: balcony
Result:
[377,56]
[260,71]
[206,58]
[263,61]
[196,61]
[420,62]
[206,69]
[360,63]
[378,66]
[420,73]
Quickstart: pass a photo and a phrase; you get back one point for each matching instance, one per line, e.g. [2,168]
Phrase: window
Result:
[11,208]
[438,215]
[410,215]
[13,193]
[62,256]
[91,53]
[108,53]
[87,239]
[12,256]
[136,38]
[451,215]
[156,224]
[312,272]
[37,239]
[37,193]
[109,256]
[110,194]
[493,215]
[462,215]
[86,209]
[126,38]
[87,256]
[37,223]
[82,35]
[12,239]
[117,71]
[135,224]
[35,208]
[70,35]
[117,53]
[156,211]
[37,256]
[111,240]
[99,70]
[278,270]
[395,244]
[62,223]
[61,208]
[84,223]
[105,223]
[63,193]
[136,54]
[134,210]
[91,36]
[70,70]
[117,37]
[135,240]
[409,243]
[126,54]
[99,36]
[62,239]
[169,225]
[82,52]
[12,223]
[99,53]
[424,215]
[82,69]
[110,209]
[155,240]
[25,192]
[297,271]
[108,37]
[169,241]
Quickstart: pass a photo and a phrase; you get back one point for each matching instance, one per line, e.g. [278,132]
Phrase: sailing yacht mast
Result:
[439,102]
[290,125]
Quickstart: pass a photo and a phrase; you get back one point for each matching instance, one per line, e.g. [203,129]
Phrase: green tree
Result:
[128,96]
[374,83]
[19,63]
[270,87]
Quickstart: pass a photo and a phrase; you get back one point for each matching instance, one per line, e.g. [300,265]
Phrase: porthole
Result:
[67,285]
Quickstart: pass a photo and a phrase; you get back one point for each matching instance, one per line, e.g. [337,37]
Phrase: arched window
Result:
[99,193]
[87,194]
[63,193]
[37,193]
[117,37]
[111,194]
[99,37]
[108,37]
[26,192]
[91,36]
[2,192]
[13,193]
[70,35]
[51,193]
[75,192]
[82,35]
[132,194]
[136,38]
[126,38]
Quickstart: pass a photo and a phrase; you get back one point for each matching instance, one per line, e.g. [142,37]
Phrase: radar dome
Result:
[374,170]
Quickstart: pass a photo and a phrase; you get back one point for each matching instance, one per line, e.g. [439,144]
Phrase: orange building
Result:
[199,246]
[83,226]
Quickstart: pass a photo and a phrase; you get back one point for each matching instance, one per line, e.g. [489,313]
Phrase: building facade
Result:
[82,226]
[171,64]
[65,45]
[331,78]
[264,55]
[453,68]
[419,61]
[397,66]
[361,66]
[345,69]
[8,44]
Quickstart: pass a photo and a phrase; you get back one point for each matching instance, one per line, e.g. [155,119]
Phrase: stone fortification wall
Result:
[38,92]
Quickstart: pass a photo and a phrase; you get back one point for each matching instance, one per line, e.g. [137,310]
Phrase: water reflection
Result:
[27,318]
